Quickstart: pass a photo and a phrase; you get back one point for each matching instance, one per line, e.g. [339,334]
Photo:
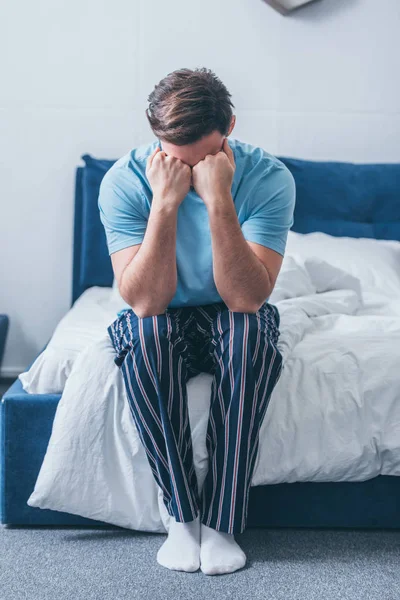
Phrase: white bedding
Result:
[334,414]
[85,322]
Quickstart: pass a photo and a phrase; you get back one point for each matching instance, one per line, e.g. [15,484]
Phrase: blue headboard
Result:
[341,199]
[91,261]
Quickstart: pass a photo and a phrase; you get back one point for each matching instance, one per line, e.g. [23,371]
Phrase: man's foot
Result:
[181,549]
[219,552]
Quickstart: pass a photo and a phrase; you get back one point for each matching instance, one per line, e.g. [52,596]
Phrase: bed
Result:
[330,451]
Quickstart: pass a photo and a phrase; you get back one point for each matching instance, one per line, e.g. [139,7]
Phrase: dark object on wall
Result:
[287,6]
[3,334]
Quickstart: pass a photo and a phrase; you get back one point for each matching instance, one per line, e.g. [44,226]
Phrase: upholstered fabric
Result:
[92,264]
[346,199]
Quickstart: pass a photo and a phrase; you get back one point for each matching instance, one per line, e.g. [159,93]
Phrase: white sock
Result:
[181,549]
[219,552]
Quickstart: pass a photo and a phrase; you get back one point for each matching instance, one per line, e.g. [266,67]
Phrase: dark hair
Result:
[187,105]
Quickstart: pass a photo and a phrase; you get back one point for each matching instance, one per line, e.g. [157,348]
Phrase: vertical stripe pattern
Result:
[157,355]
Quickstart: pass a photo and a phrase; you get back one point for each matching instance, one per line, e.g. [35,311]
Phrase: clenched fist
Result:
[169,177]
[213,176]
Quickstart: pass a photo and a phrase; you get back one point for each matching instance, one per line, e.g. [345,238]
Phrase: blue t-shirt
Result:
[263,192]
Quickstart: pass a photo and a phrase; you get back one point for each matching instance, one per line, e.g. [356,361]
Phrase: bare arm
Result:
[245,272]
[242,280]
[146,273]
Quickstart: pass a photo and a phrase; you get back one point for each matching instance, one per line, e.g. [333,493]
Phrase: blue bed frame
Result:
[336,198]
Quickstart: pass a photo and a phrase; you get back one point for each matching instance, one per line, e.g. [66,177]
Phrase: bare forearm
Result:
[149,281]
[240,277]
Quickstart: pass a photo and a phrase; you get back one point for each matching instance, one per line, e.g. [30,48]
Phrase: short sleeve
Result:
[270,210]
[122,210]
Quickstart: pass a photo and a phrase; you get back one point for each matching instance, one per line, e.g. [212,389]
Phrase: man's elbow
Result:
[141,307]
[251,306]
[148,311]
[244,307]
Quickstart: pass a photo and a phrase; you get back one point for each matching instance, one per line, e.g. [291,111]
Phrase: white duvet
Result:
[334,414]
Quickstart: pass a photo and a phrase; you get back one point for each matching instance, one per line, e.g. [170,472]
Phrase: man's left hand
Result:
[212,177]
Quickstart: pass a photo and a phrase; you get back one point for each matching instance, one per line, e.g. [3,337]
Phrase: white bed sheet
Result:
[334,414]
[85,322]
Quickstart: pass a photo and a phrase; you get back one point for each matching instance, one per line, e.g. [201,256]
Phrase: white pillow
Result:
[85,322]
[293,280]
[375,262]
[304,276]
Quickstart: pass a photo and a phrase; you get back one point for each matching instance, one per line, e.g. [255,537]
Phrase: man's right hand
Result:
[169,177]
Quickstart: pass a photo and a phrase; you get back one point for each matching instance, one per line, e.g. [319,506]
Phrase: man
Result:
[196,227]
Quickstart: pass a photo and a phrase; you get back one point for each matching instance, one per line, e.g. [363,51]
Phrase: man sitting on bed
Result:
[196,227]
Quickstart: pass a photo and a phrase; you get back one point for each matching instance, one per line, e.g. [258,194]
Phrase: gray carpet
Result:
[45,563]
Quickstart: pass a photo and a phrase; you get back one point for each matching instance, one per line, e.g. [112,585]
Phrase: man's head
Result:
[190,111]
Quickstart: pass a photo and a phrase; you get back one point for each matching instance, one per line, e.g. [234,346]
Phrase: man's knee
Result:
[247,325]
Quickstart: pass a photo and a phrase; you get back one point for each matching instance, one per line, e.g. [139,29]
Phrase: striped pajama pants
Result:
[157,355]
